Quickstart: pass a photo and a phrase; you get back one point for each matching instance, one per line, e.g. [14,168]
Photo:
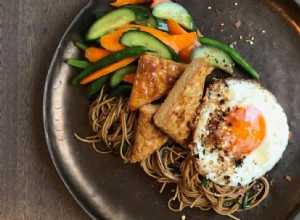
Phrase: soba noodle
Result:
[115,126]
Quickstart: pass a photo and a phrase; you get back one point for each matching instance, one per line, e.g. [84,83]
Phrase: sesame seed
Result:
[288,178]
[234,149]
[209,7]
[183,217]
[235,4]
[222,24]
[263,31]
[238,24]
[250,42]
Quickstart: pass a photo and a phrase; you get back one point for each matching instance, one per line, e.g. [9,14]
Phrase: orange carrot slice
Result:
[179,42]
[108,69]
[129,78]
[153,31]
[155,2]
[119,3]
[111,41]
[175,28]
[185,54]
[94,54]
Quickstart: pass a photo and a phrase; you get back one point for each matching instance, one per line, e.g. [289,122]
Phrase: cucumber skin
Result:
[214,57]
[118,75]
[110,59]
[103,24]
[148,20]
[130,38]
[174,11]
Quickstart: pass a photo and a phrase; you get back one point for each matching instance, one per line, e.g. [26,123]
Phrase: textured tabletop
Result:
[29,185]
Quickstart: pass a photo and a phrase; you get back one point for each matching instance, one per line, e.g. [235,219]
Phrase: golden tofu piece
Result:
[148,138]
[154,79]
[176,115]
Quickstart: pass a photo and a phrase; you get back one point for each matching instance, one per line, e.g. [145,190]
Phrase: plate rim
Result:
[47,130]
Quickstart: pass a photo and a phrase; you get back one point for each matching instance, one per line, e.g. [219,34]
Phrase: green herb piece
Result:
[245,203]
[205,181]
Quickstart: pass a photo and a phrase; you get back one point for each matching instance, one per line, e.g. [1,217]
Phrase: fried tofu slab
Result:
[148,138]
[176,115]
[154,79]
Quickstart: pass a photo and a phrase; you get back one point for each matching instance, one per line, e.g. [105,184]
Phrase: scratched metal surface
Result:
[104,186]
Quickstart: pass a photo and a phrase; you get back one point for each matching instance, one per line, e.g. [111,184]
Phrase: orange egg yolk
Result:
[245,130]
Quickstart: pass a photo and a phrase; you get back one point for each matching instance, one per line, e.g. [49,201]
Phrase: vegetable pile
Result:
[136,27]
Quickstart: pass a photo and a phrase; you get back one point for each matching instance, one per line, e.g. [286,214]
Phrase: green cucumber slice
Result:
[110,21]
[174,11]
[118,76]
[214,57]
[150,22]
[141,38]
[146,18]
[141,12]
[236,56]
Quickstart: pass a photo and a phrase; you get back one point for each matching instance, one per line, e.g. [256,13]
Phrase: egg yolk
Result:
[245,130]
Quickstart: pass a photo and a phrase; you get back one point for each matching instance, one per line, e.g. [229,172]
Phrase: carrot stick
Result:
[108,69]
[185,54]
[179,42]
[153,31]
[129,78]
[94,54]
[119,3]
[175,28]
[155,2]
[111,41]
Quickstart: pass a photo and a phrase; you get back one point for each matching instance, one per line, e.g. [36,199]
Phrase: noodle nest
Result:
[114,127]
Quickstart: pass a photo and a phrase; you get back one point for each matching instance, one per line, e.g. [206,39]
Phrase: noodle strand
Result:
[115,126]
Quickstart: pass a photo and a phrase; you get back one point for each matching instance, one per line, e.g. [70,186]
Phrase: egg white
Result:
[236,92]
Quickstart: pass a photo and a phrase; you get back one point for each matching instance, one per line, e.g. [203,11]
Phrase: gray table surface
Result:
[30,188]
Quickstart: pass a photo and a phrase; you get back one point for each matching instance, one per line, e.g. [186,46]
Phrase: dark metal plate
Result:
[104,186]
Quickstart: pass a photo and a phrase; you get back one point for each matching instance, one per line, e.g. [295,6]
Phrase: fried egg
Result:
[241,132]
